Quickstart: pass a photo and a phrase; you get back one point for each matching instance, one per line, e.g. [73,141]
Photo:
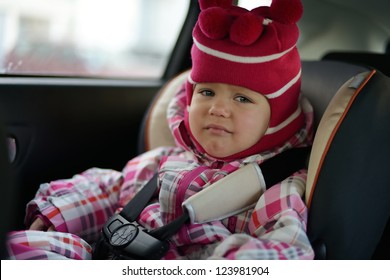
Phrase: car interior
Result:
[54,127]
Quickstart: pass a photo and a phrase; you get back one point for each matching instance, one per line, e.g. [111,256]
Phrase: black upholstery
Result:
[322,79]
[379,61]
[350,208]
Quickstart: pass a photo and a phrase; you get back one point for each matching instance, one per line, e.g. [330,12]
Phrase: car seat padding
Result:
[348,177]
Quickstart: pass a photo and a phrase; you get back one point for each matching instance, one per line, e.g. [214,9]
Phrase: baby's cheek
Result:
[253,130]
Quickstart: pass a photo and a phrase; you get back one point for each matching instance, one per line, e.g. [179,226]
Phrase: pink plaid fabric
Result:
[78,207]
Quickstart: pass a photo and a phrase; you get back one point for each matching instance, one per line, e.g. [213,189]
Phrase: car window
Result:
[108,38]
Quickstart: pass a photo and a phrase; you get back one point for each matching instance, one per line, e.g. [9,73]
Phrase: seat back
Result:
[335,192]
[348,191]
[379,61]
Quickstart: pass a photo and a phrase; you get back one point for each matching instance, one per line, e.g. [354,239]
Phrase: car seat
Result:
[348,192]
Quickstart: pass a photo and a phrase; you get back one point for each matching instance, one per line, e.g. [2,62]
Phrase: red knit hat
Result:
[254,49]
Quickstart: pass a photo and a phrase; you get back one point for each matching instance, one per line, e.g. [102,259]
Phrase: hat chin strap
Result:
[202,207]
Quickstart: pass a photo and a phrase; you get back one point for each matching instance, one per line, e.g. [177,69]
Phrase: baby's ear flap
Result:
[286,11]
[204,4]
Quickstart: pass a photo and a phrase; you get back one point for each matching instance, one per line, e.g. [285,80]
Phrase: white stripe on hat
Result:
[190,80]
[285,88]
[240,59]
[286,122]
[269,95]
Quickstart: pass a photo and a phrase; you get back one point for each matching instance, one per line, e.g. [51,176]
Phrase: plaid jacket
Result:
[78,207]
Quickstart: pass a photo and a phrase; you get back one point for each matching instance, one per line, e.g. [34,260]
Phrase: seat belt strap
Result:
[202,208]
[242,189]
[135,206]
[236,192]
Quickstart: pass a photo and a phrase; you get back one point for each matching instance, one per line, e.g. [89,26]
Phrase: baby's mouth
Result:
[218,129]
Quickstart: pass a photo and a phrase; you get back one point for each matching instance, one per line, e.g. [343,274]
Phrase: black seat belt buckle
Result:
[129,240]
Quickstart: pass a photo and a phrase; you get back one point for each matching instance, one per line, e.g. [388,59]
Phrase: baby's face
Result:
[227,119]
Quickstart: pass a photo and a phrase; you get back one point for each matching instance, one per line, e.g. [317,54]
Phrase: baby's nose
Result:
[221,108]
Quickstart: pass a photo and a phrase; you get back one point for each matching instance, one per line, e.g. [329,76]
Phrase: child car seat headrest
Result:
[156,130]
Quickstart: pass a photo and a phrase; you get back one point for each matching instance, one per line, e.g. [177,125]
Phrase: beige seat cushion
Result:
[157,131]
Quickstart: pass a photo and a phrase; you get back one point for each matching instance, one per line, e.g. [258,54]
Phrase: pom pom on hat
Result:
[215,22]
[286,11]
[246,29]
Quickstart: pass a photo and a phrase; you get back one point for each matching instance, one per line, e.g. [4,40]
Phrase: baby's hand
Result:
[38,224]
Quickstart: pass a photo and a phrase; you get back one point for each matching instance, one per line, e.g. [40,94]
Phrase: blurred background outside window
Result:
[99,38]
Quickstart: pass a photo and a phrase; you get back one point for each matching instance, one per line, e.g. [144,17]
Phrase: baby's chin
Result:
[219,154]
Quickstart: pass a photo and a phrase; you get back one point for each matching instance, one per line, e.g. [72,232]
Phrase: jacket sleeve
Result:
[78,205]
[277,227]
[82,204]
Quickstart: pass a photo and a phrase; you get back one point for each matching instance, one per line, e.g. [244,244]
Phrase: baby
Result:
[241,104]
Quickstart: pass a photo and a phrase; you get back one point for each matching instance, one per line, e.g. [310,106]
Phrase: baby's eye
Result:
[242,99]
[206,92]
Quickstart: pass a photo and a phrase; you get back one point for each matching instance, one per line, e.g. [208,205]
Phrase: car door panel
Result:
[62,127]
